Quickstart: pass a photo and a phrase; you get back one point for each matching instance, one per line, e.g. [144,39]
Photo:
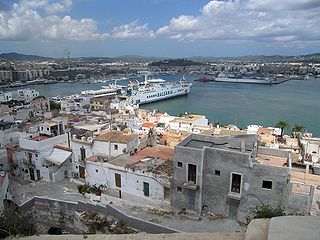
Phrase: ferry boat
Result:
[152,90]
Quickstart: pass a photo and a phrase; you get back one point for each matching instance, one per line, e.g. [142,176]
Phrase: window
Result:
[235,183]
[115,147]
[267,184]
[146,189]
[82,153]
[192,173]
[30,157]
[179,164]
[217,172]
[118,180]
[97,170]
[179,189]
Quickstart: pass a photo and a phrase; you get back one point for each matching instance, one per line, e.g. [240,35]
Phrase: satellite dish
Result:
[300,157]
[314,158]
[2,174]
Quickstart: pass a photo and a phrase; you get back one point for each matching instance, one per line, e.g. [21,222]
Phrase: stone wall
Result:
[53,212]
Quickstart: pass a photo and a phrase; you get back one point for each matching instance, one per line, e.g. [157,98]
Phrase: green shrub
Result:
[265,211]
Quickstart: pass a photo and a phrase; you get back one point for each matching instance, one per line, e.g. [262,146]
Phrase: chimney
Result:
[242,146]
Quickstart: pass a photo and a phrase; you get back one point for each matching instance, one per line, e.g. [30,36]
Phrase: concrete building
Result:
[4,189]
[230,175]
[5,76]
[40,106]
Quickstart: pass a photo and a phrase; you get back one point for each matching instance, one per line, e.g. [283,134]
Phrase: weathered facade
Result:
[226,175]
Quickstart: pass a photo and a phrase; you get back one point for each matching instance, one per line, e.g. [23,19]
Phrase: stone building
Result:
[229,175]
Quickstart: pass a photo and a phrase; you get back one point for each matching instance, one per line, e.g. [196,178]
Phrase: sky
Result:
[164,28]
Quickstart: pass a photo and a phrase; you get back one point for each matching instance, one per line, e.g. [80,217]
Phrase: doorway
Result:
[233,208]
[81,172]
[167,193]
[31,174]
[38,175]
[191,199]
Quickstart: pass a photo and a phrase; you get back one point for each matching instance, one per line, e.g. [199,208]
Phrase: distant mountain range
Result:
[13,56]
[315,57]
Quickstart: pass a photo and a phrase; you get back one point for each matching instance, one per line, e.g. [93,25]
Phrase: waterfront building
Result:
[5,76]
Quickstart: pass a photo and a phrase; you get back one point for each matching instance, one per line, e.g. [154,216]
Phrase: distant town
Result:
[97,157]
[20,70]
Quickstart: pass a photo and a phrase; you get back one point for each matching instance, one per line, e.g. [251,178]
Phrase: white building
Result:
[43,155]
[115,143]
[6,96]
[146,175]
[253,129]
[26,95]
[187,123]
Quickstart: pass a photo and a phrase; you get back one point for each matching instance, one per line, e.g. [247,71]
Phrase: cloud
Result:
[269,21]
[23,22]
[132,31]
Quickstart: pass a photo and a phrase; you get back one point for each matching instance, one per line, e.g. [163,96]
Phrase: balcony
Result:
[190,185]
[234,195]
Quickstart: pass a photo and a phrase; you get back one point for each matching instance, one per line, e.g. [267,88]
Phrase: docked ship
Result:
[204,79]
[245,80]
[152,90]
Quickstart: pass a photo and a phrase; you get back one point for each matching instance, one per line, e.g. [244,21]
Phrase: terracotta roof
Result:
[164,153]
[265,131]
[116,137]
[148,125]
[39,138]
[63,147]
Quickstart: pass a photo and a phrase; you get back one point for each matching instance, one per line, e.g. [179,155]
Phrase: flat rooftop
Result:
[39,138]
[272,160]
[235,143]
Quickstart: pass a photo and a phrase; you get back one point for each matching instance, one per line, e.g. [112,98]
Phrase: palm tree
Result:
[297,129]
[283,125]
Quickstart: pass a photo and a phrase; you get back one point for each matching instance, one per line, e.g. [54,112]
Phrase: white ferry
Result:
[152,90]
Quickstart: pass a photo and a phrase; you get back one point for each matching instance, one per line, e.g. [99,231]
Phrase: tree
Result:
[283,125]
[297,129]
[55,106]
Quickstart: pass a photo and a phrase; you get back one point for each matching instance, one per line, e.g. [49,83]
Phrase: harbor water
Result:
[297,101]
